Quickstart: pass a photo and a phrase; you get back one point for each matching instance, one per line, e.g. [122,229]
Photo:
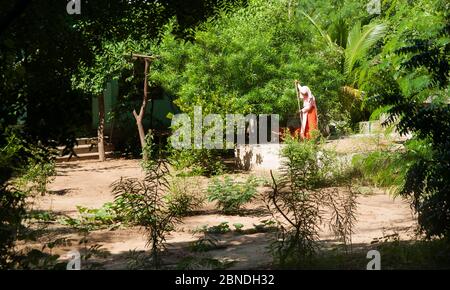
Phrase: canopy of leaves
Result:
[411,78]
[247,61]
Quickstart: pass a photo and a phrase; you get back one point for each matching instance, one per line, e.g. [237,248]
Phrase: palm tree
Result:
[354,46]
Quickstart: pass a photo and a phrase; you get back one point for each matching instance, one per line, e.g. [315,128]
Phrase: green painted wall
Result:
[110,94]
[161,107]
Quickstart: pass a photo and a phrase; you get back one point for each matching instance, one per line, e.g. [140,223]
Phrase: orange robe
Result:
[309,117]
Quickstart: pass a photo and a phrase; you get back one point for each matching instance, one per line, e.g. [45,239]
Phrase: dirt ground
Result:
[87,183]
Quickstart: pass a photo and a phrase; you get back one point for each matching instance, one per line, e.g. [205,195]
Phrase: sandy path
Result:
[87,183]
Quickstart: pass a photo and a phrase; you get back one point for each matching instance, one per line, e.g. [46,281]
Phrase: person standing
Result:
[308,114]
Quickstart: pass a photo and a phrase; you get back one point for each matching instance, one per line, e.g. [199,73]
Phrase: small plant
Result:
[310,183]
[184,197]
[41,216]
[40,169]
[232,195]
[43,259]
[137,260]
[92,219]
[39,174]
[35,259]
[193,162]
[91,252]
[221,228]
[142,203]
[204,244]
[265,226]
[238,227]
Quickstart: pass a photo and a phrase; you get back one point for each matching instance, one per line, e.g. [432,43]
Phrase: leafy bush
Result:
[246,62]
[12,211]
[12,199]
[39,172]
[238,227]
[311,182]
[91,219]
[192,162]
[411,80]
[232,195]
[389,168]
[142,203]
[185,196]
[41,216]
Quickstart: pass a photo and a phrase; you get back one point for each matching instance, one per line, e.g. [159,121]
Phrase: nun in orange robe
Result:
[308,113]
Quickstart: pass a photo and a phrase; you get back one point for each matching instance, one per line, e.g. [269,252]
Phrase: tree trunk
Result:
[139,117]
[101,128]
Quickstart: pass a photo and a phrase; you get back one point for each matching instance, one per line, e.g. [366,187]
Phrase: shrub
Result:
[411,80]
[12,212]
[192,162]
[389,168]
[310,182]
[231,195]
[142,203]
[185,196]
[39,169]
[91,219]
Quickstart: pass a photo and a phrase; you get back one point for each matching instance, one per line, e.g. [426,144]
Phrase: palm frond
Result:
[359,41]
[324,34]
[353,92]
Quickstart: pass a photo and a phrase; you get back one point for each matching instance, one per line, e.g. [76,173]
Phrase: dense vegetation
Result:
[229,57]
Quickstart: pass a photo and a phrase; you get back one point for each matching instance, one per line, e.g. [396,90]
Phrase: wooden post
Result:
[101,128]
[297,83]
[139,117]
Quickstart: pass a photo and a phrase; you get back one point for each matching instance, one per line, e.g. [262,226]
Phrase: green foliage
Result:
[43,47]
[232,195]
[142,203]
[150,151]
[382,168]
[264,226]
[14,158]
[12,211]
[389,168]
[194,162]
[238,227]
[185,196]
[413,68]
[92,219]
[246,62]
[204,244]
[419,255]
[39,260]
[313,182]
[40,170]
[359,42]
[221,228]
[41,216]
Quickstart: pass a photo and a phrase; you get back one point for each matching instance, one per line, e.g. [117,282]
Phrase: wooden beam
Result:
[138,55]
